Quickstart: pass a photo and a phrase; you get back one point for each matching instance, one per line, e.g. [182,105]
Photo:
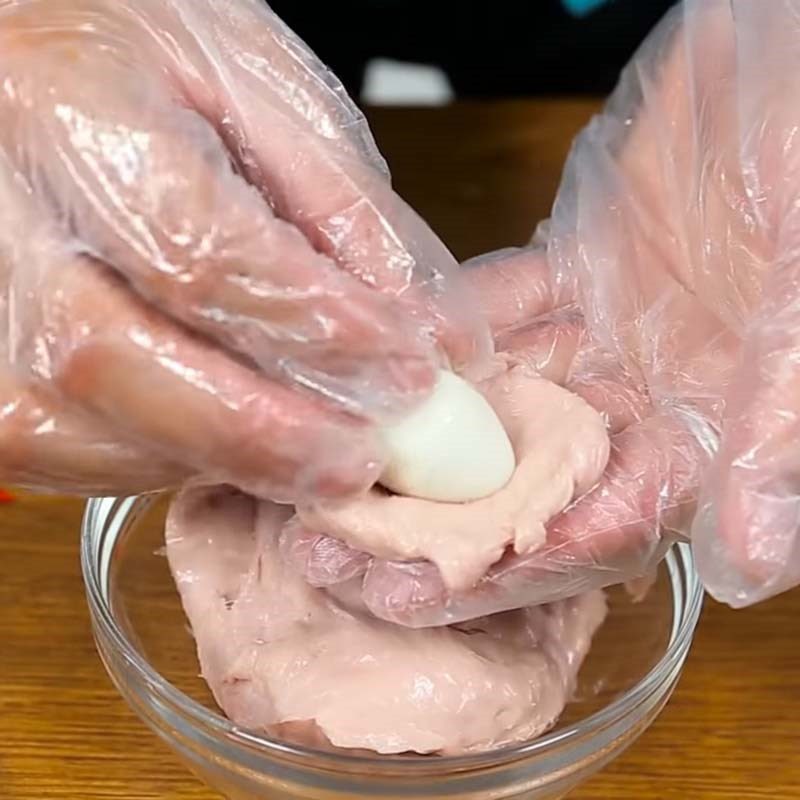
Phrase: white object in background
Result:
[452,448]
[398,83]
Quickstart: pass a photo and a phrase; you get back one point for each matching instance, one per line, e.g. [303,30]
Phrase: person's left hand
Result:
[617,532]
[675,232]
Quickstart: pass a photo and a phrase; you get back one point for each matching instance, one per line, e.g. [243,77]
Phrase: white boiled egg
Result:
[452,448]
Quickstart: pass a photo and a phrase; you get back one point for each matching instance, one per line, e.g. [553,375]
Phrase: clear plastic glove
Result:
[676,233]
[678,224]
[620,530]
[205,270]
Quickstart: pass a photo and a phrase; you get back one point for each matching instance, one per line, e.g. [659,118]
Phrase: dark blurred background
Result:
[521,51]
[504,48]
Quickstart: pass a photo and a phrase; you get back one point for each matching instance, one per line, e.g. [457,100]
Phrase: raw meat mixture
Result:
[295,661]
[561,447]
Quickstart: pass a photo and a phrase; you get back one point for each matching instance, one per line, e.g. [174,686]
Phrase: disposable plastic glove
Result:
[676,233]
[205,270]
[619,531]
[679,225]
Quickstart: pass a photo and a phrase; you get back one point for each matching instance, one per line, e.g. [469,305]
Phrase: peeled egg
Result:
[452,448]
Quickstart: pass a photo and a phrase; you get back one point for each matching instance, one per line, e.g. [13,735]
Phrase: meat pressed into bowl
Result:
[287,659]
[143,638]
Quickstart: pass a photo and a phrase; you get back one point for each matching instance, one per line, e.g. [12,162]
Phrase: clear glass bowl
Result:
[144,641]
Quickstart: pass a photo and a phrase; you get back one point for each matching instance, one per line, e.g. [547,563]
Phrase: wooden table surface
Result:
[482,175]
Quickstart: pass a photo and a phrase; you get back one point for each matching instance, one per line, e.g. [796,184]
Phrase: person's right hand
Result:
[205,270]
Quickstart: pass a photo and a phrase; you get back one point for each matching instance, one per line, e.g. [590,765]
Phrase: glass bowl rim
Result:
[99,511]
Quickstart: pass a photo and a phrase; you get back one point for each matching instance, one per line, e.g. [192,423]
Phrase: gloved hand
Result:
[205,270]
[676,233]
[620,530]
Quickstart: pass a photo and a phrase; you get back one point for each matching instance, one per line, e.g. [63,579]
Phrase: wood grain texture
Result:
[482,174]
